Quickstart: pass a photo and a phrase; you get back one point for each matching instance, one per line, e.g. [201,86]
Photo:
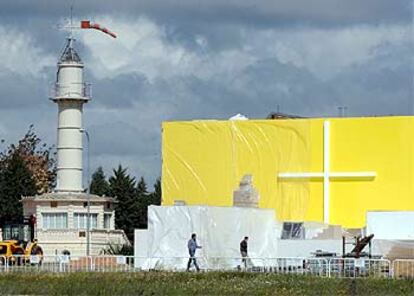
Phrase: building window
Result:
[55,220]
[293,231]
[107,221]
[80,220]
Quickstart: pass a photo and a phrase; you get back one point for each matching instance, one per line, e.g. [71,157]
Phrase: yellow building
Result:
[329,170]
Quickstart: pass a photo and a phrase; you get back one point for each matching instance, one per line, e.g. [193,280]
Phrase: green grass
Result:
[214,283]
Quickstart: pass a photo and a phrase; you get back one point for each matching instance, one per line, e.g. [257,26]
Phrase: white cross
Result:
[326,175]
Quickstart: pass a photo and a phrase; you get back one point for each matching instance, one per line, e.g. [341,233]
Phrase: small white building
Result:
[61,222]
[59,219]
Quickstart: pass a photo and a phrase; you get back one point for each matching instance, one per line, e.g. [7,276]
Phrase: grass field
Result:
[214,283]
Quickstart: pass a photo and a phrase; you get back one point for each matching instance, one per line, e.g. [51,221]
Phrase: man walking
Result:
[243,250]
[192,247]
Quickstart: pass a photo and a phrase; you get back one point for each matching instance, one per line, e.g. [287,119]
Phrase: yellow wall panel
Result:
[204,161]
[383,145]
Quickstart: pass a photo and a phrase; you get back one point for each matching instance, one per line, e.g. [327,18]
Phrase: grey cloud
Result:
[125,115]
[119,92]
[263,13]
[23,92]
[371,89]
[121,138]
[266,84]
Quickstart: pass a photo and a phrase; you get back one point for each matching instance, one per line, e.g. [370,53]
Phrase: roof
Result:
[69,54]
[280,115]
[54,196]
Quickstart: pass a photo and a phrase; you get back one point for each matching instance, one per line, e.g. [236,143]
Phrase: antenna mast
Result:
[85,24]
[71,22]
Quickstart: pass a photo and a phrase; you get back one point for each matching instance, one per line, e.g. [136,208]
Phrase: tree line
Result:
[29,168]
[133,197]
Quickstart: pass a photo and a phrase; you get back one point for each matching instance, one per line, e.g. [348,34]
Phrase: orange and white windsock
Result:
[89,25]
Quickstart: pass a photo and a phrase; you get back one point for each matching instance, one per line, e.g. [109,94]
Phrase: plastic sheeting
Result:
[203,162]
[306,248]
[219,231]
[394,233]
[396,225]
[141,243]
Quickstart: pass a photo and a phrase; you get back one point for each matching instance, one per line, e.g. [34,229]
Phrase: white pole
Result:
[326,165]
[88,196]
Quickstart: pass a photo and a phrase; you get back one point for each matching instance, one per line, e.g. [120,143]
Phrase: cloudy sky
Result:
[197,59]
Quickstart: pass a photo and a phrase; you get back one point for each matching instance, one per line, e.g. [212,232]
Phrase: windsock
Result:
[89,25]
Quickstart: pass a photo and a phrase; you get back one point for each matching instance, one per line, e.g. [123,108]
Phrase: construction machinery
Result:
[359,244]
[18,245]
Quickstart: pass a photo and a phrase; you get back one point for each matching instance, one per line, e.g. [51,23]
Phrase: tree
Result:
[16,180]
[143,202]
[26,169]
[99,184]
[133,199]
[156,194]
[142,189]
[39,159]
[146,199]
[122,187]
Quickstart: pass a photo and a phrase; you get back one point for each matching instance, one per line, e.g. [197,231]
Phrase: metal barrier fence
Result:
[403,268]
[34,263]
[359,267]
[323,267]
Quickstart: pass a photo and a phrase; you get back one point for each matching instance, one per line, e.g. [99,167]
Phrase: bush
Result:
[125,250]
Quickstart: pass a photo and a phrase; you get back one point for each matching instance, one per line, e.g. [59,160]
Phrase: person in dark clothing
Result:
[243,250]
[192,247]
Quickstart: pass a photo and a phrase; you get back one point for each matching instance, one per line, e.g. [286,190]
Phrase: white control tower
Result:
[65,220]
[70,92]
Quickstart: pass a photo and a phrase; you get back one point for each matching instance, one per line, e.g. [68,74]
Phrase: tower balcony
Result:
[70,91]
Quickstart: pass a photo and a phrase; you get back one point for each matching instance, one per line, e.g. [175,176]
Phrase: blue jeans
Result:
[192,259]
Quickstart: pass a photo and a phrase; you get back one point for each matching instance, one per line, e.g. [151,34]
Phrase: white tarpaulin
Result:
[393,233]
[141,248]
[306,248]
[397,225]
[219,231]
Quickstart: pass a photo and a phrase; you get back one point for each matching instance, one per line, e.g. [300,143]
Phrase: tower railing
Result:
[70,91]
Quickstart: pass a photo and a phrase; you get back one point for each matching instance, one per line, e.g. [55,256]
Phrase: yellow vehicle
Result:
[18,245]
[16,253]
